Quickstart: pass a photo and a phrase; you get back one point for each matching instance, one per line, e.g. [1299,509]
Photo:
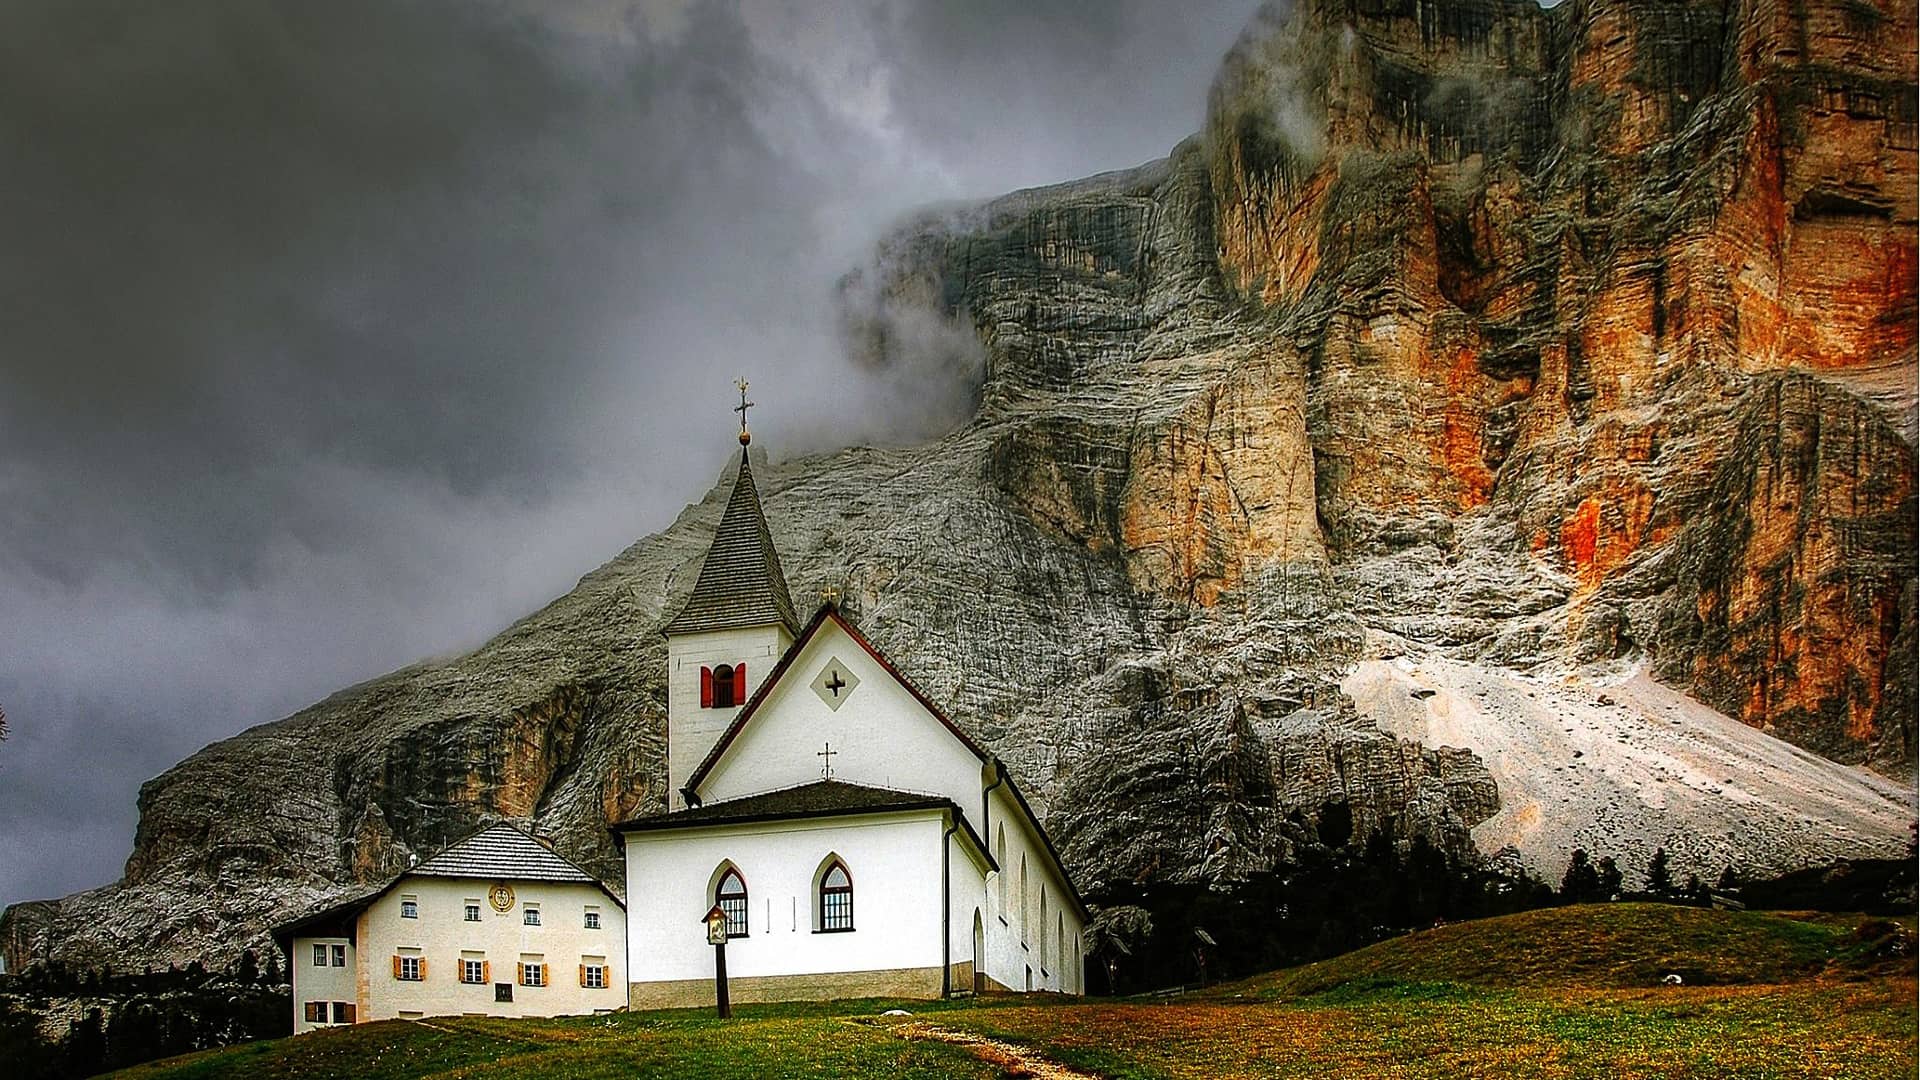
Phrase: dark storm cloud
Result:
[334,335]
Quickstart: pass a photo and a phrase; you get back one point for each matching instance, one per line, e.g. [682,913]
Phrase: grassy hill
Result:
[1606,945]
[1567,992]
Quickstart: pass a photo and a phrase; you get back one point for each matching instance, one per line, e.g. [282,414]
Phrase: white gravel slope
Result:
[1627,765]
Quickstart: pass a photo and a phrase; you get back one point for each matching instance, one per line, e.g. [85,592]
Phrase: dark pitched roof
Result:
[502,851]
[827,611]
[336,917]
[822,798]
[497,852]
[740,583]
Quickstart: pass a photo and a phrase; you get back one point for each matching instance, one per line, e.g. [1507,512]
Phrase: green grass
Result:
[1592,945]
[1564,993]
[813,1040]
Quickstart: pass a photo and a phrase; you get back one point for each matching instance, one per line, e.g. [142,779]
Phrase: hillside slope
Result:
[1568,993]
[1528,348]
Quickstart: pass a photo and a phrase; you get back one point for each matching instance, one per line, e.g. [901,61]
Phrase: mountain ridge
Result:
[1429,361]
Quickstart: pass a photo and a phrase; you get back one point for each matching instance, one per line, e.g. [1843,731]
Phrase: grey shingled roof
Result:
[822,798]
[502,852]
[741,583]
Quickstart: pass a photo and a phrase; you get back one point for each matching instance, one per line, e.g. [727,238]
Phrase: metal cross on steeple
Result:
[745,436]
[826,771]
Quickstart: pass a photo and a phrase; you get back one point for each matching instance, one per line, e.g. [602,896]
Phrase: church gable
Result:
[836,708]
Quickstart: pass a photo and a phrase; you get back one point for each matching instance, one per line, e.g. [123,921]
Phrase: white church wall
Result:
[329,983]
[1015,942]
[881,735]
[692,730]
[967,894]
[441,935]
[894,861]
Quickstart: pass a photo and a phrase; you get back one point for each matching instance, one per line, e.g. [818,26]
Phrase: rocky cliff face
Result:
[1357,468]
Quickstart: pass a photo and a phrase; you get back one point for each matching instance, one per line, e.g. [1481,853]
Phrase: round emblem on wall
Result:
[501,897]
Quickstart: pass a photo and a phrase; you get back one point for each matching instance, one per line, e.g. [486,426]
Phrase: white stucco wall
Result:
[881,735]
[442,935]
[1014,938]
[894,860]
[691,730]
[320,983]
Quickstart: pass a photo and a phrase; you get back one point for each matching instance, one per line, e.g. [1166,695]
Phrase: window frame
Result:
[315,1012]
[344,1012]
[590,919]
[417,964]
[723,687]
[476,968]
[339,954]
[530,915]
[726,901]
[823,894]
[533,974]
[410,907]
[320,954]
[470,911]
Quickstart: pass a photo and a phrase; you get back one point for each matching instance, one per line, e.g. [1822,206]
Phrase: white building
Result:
[860,841]
[495,925]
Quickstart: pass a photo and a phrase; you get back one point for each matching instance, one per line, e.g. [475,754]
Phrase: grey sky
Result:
[337,335]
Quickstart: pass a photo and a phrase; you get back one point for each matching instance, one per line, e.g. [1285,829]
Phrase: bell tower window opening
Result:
[723,687]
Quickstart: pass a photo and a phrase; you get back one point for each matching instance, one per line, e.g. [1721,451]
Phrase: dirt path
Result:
[1015,1061]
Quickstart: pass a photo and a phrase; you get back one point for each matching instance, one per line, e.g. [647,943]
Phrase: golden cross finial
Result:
[745,436]
[830,595]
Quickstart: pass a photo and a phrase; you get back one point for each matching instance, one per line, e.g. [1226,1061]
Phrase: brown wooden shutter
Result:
[544,981]
[739,684]
[423,969]
[583,974]
[706,688]
[396,965]
[486,971]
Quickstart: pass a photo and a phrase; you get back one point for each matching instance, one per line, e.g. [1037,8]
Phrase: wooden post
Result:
[716,921]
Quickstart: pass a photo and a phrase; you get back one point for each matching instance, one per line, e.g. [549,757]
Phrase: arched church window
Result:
[1000,860]
[723,687]
[731,897]
[1025,921]
[1046,954]
[836,898]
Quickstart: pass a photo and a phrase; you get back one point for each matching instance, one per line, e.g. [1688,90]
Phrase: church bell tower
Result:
[734,627]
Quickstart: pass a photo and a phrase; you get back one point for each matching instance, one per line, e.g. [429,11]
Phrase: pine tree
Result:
[1581,882]
[1610,879]
[86,1045]
[1659,876]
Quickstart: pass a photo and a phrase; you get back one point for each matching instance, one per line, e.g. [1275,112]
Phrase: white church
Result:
[860,843]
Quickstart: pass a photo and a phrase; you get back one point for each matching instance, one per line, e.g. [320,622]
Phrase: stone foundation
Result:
[923,982]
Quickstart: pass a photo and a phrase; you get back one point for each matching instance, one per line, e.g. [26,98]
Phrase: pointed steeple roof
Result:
[741,583]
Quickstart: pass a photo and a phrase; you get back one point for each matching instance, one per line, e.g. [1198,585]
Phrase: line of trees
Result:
[1154,936]
[125,1019]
